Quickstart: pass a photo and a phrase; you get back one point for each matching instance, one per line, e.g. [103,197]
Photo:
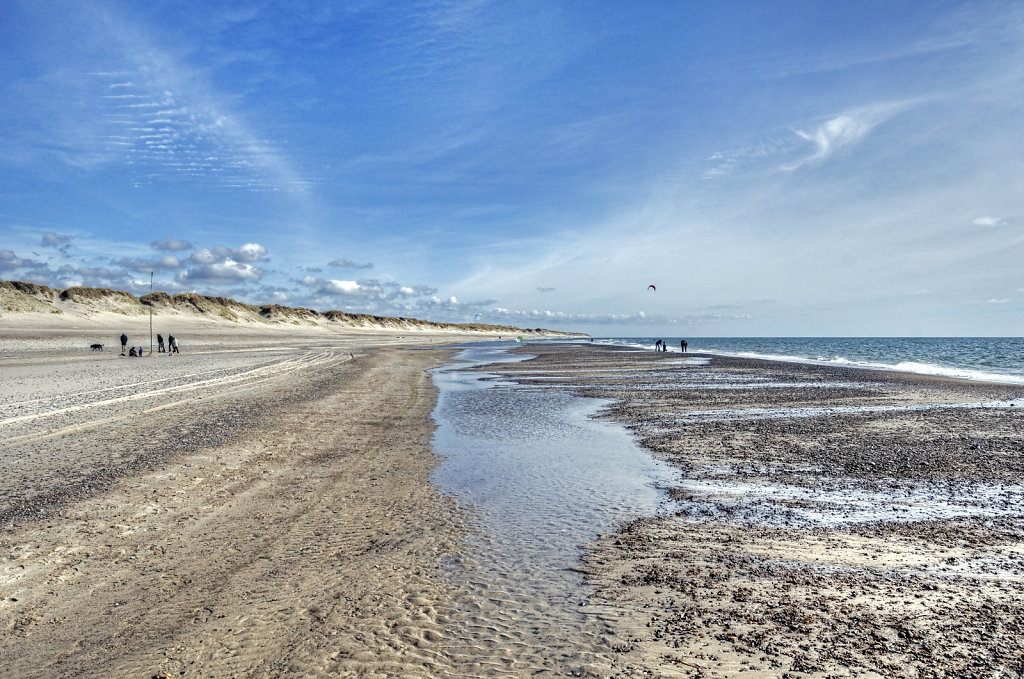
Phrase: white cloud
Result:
[988,221]
[10,261]
[142,265]
[171,244]
[345,264]
[54,240]
[844,131]
[344,287]
[250,252]
[225,272]
[204,256]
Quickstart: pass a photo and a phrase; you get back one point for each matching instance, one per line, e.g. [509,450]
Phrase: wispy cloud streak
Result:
[843,132]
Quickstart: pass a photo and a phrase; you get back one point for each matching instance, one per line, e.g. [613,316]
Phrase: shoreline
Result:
[911,365]
[834,544]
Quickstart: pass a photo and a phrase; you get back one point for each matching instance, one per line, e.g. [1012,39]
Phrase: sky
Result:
[773,169]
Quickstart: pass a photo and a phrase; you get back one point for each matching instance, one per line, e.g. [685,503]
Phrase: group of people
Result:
[172,345]
[661,346]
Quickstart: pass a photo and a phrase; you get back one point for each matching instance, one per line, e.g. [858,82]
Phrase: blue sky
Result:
[796,168]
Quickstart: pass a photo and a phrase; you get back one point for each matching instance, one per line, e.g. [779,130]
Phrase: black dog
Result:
[96,347]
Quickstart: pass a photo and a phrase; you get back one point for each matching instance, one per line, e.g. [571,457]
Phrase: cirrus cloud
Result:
[844,131]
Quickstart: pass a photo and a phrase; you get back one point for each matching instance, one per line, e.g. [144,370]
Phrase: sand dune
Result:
[104,312]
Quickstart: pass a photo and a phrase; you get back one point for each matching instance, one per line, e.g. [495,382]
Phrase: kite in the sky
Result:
[651,287]
[476,317]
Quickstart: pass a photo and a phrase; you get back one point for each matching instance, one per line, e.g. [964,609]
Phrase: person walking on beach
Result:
[682,345]
[172,345]
[160,344]
[124,342]
[657,345]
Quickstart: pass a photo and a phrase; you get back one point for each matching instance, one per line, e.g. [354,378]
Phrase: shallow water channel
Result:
[540,478]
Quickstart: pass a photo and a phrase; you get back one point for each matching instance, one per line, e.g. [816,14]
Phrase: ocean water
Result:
[999,359]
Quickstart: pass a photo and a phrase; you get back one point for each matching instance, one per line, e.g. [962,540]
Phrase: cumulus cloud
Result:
[54,240]
[415,290]
[171,245]
[66,275]
[368,295]
[219,272]
[988,221]
[347,288]
[143,265]
[11,262]
[345,264]
[365,288]
[250,252]
[223,266]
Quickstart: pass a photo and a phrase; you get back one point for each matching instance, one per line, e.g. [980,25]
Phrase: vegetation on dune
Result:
[22,297]
[80,294]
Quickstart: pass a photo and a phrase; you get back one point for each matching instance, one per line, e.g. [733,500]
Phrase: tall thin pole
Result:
[150,313]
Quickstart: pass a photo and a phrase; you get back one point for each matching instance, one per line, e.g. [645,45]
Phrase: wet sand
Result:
[829,521]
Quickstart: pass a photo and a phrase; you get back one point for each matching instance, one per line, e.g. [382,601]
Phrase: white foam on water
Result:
[844,504]
[745,414]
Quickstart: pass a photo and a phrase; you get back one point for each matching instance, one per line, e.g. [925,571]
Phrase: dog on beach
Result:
[96,347]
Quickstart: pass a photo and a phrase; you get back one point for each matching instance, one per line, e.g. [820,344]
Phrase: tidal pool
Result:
[541,478]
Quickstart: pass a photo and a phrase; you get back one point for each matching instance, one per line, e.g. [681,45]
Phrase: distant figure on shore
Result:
[172,345]
[124,342]
[160,344]
[682,345]
[131,352]
[657,345]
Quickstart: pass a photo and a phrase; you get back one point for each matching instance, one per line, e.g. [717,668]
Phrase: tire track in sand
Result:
[246,379]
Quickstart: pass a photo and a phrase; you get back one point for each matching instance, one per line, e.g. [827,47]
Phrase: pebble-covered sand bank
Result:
[829,521]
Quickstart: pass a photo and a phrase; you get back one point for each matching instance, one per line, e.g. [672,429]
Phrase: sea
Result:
[998,359]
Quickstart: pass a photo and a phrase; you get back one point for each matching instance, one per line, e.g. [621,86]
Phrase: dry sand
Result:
[257,506]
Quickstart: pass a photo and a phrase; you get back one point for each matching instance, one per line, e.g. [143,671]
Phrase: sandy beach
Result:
[262,506]
[256,506]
